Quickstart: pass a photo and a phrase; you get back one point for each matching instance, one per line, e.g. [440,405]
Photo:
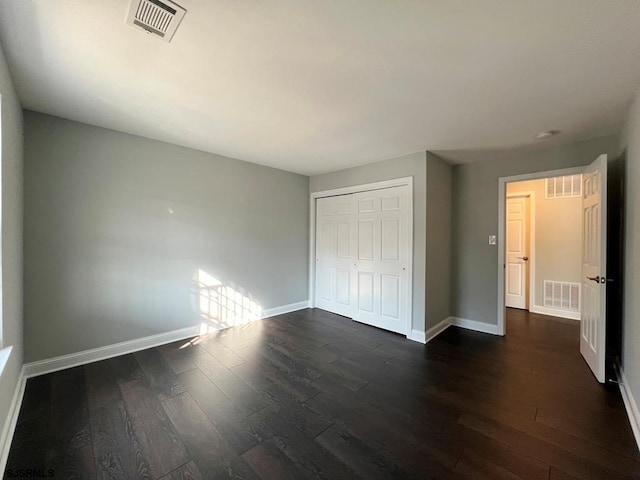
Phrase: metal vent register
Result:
[159,18]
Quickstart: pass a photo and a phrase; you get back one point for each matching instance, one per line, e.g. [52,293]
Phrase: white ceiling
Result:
[312,86]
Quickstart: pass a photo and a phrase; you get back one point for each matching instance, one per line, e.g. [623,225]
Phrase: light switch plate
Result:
[492,239]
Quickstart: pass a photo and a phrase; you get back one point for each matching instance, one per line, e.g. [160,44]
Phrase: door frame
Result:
[502,204]
[531,229]
[365,187]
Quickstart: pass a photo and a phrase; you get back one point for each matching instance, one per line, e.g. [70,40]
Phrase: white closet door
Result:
[381,292]
[335,249]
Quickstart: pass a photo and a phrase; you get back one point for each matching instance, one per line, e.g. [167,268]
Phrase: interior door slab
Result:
[594,266]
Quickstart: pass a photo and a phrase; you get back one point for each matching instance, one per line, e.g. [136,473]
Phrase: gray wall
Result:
[438,268]
[117,228]
[631,326]
[11,158]
[413,165]
[558,237]
[475,215]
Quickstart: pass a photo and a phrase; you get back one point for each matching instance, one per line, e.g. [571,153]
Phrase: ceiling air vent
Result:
[159,18]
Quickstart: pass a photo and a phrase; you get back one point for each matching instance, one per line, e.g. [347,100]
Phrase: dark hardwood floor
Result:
[314,395]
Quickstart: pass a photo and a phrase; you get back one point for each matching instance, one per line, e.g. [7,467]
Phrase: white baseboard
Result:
[424,337]
[417,336]
[54,364]
[630,405]
[49,365]
[12,421]
[554,312]
[292,307]
[438,329]
[474,325]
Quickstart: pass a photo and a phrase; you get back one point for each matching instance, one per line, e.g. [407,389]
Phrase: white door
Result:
[335,250]
[362,257]
[382,257]
[594,266]
[517,253]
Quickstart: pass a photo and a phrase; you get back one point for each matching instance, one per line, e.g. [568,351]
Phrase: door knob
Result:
[524,258]
[594,279]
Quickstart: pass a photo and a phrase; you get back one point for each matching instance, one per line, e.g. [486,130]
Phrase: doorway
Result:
[534,188]
[543,244]
[578,289]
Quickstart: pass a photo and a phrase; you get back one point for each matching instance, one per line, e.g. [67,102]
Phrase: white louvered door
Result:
[362,257]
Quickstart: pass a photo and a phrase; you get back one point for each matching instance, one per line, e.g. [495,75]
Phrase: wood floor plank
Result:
[299,415]
[158,373]
[304,454]
[593,430]
[188,471]
[101,384]
[556,474]
[223,354]
[157,438]
[374,427]
[320,364]
[36,401]
[237,392]
[69,413]
[227,417]
[210,452]
[178,359]
[78,463]
[522,465]
[30,443]
[580,447]
[116,448]
[363,459]
[126,368]
[556,457]
[475,467]
[253,372]
[269,463]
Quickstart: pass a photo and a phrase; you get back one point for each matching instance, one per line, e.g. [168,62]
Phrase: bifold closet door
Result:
[382,256]
[362,257]
[335,249]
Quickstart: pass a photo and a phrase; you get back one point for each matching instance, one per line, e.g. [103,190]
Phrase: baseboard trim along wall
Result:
[12,421]
[50,365]
[474,325]
[292,307]
[417,336]
[437,329]
[630,405]
[554,312]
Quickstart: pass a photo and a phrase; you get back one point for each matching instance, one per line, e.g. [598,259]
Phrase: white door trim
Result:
[396,182]
[531,195]
[502,203]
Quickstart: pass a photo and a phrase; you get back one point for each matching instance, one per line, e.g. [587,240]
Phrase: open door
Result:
[594,266]
[517,251]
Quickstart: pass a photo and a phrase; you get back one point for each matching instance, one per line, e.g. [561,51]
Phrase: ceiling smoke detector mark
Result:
[547,134]
[159,18]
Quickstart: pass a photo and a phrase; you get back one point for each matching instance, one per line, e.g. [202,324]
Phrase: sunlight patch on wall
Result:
[221,306]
